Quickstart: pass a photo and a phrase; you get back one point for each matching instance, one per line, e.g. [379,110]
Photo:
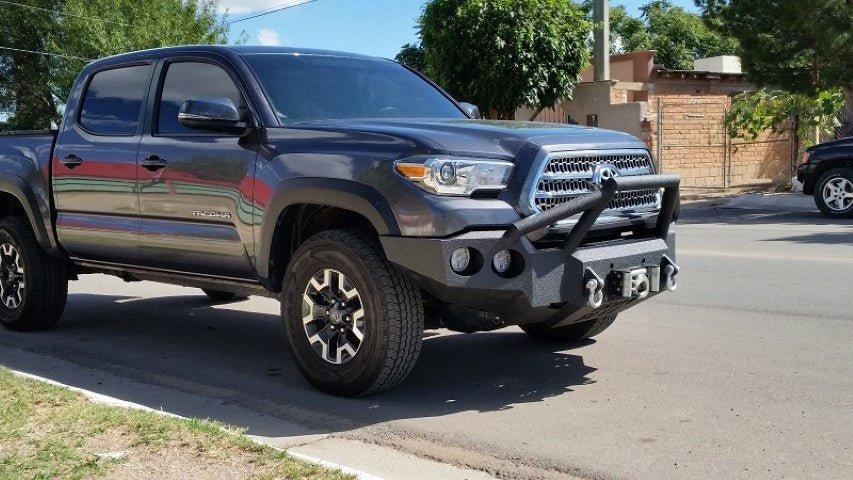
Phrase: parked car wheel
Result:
[221,296]
[834,193]
[33,286]
[354,324]
[570,333]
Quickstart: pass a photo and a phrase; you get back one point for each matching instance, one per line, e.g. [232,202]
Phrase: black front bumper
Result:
[546,284]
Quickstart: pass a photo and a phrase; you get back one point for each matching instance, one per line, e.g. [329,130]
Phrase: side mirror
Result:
[215,114]
[472,110]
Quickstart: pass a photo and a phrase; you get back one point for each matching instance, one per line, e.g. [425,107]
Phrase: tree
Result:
[77,30]
[756,112]
[678,36]
[25,93]
[803,46]
[502,54]
[412,56]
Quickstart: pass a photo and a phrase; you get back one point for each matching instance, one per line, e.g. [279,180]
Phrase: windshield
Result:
[313,87]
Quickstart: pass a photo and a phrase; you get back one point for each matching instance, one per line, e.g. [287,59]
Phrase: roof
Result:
[235,49]
[663,73]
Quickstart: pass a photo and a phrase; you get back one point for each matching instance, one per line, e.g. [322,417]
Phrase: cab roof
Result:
[227,50]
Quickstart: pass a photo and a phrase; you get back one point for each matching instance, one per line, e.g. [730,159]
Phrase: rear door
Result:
[196,208]
[94,166]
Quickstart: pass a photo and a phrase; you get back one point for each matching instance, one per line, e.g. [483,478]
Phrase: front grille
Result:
[567,175]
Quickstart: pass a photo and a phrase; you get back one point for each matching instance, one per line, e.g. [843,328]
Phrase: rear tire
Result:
[570,333]
[833,193]
[33,285]
[221,296]
[354,323]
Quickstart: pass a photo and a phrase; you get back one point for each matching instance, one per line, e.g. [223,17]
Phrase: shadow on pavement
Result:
[236,358]
[703,213]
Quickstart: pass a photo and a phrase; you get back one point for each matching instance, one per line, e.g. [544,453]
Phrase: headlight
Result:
[455,175]
[806,156]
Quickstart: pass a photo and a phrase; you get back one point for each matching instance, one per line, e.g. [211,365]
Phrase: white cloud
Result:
[268,36]
[245,6]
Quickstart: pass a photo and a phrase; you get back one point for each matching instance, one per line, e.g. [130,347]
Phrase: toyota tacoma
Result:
[353,189]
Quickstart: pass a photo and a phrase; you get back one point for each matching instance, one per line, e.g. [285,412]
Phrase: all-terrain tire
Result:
[392,314]
[572,332]
[41,301]
[842,173]
[221,296]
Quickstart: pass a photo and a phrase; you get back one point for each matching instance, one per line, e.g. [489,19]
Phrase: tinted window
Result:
[317,87]
[193,80]
[114,99]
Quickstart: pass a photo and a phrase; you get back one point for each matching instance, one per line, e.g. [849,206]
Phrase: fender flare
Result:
[38,215]
[331,192]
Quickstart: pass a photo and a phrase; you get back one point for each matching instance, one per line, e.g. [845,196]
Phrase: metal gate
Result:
[693,141]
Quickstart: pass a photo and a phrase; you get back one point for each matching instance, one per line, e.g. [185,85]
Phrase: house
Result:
[680,114]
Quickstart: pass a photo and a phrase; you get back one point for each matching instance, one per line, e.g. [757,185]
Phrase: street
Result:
[746,371]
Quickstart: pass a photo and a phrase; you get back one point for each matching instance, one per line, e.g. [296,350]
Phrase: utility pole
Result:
[601,53]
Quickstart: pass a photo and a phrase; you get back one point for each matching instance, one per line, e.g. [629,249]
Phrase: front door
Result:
[94,166]
[195,188]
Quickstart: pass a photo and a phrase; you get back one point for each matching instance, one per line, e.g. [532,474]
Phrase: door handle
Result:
[152,163]
[71,161]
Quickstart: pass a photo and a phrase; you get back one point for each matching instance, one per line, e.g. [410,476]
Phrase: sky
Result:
[372,27]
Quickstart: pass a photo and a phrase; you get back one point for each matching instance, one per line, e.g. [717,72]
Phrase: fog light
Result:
[459,259]
[501,261]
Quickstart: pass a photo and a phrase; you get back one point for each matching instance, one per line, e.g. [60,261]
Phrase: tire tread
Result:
[46,296]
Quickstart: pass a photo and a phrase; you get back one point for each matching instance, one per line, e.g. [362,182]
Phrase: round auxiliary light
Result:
[501,261]
[460,259]
[447,172]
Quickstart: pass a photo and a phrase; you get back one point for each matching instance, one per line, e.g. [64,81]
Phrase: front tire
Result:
[833,193]
[354,323]
[33,285]
[572,332]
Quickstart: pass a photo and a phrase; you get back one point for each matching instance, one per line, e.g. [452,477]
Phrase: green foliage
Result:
[502,54]
[755,112]
[25,77]
[622,26]
[412,56]
[802,46]
[125,25]
[678,36]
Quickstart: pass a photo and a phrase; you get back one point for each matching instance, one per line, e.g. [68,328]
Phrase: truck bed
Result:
[33,145]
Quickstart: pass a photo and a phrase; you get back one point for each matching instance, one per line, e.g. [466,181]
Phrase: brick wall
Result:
[695,144]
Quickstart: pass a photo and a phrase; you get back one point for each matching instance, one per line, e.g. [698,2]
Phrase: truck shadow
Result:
[221,357]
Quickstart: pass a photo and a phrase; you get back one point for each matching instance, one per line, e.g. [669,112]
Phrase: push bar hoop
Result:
[594,203]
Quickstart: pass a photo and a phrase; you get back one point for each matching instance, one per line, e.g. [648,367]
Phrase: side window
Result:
[188,80]
[113,100]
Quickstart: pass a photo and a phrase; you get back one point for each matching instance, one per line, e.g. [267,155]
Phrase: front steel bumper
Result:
[557,285]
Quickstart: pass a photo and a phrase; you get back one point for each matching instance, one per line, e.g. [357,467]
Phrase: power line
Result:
[57,12]
[46,53]
[272,10]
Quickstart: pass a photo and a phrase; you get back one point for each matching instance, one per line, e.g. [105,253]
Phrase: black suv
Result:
[827,173]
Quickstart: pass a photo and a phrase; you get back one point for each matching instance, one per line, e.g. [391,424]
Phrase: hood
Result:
[841,142]
[483,138]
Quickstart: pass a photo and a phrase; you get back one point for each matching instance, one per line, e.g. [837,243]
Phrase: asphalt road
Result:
[745,372]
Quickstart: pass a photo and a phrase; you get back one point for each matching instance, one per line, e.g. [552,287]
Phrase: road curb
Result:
[116,402]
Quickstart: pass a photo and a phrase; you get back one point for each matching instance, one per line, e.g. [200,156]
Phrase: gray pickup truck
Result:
[361,195]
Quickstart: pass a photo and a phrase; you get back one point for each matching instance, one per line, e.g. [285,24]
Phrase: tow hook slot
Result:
[670,273]
[632,283]
[593,288]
